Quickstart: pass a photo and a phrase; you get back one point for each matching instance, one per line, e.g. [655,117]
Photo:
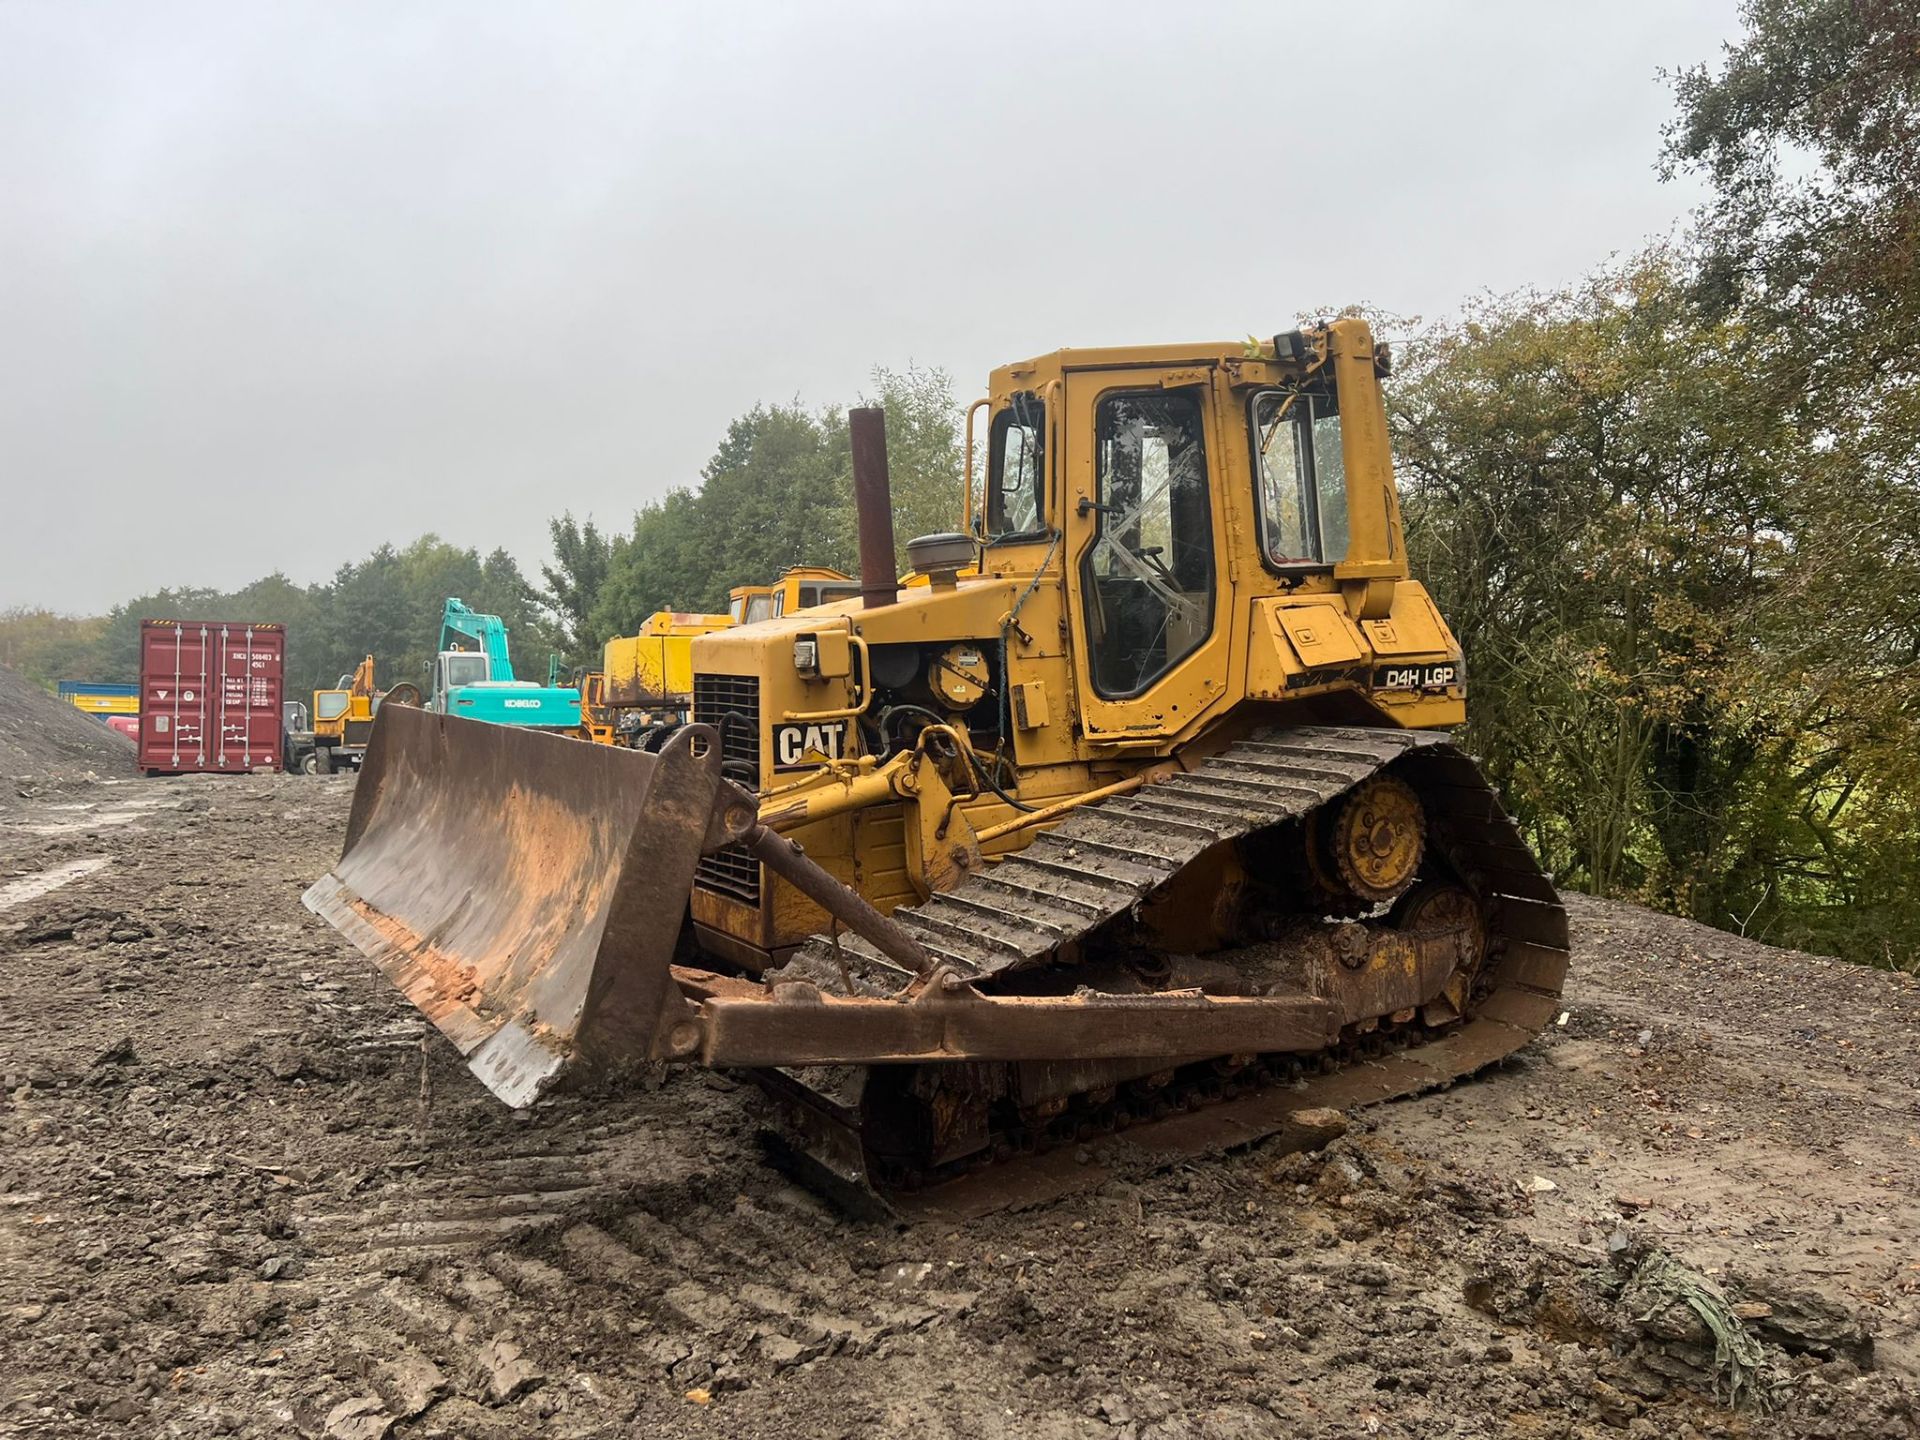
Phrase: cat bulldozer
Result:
[1136,839]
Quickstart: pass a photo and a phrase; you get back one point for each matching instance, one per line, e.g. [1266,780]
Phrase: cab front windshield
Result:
[465,670]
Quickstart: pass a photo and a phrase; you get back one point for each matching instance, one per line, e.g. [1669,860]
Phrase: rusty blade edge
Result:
[513,1062]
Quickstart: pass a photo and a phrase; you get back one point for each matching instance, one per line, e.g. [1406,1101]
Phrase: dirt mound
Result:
[44,740]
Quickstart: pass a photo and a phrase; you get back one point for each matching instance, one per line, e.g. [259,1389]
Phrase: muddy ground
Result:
[242,1192]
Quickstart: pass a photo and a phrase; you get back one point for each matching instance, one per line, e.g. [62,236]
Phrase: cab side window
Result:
[1302,477]
[1016,469]
[1148,576]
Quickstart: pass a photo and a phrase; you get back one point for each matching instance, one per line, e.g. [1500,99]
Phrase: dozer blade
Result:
[525,891]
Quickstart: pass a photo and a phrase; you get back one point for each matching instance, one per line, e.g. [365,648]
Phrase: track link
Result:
[1034,908]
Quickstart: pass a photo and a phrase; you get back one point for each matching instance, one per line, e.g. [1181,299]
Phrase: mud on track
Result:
[243,1191]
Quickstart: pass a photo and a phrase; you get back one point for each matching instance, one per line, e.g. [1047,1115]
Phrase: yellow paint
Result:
[652,672]
[107,704]
[596,720]
[654,669]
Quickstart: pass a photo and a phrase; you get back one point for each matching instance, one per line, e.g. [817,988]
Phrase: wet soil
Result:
[244,1190]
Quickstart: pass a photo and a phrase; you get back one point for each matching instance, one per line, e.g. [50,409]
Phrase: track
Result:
[1034,908]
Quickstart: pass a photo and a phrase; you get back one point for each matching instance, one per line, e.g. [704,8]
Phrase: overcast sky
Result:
[279,282]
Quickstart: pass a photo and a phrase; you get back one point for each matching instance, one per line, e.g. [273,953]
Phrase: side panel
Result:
[539,706]
[210,694]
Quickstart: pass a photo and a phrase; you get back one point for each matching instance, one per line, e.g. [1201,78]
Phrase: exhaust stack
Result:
[873,504]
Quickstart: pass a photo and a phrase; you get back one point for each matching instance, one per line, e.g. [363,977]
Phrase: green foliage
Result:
[1686,606]
[923,450]
[1588,499]
[778,493]
[387,605]
[1809,133]
[48,648]
[582,555]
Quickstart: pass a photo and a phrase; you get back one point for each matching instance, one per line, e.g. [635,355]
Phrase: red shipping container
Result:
[210,695]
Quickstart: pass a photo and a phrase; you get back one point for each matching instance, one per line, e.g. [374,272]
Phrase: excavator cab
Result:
[1134,800]
[454,670]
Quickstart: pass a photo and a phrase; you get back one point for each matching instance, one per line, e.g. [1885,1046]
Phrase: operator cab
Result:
[1201,505]
[460,668]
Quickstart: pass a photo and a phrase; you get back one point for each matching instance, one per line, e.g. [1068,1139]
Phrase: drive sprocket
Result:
[1379,838]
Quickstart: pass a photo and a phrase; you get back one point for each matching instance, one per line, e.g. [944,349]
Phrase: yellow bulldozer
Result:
[1149,824]
[800,587]
[644,689]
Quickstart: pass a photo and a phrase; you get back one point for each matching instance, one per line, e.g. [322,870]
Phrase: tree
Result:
[49,648]
[924,453]
[778,492]
[1624,520]
[582,558]
[1809,134]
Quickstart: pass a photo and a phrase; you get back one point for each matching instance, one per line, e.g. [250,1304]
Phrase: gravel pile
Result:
[44,740]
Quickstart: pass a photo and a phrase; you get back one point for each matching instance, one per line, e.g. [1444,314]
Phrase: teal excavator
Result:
[473,678]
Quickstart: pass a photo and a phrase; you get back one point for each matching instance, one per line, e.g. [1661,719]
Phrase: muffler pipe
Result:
[873,504]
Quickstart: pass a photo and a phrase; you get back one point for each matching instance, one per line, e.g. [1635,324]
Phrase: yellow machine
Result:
[598,721]
[800,587]
[647,685]
[1136,827]
[647,689]
[343,719]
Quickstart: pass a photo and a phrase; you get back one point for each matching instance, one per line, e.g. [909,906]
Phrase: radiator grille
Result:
[731,704]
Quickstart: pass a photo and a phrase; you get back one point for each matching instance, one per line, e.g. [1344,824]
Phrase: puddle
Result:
[32,887]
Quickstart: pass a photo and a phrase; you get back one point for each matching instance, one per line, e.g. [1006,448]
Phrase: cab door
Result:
[1144,551]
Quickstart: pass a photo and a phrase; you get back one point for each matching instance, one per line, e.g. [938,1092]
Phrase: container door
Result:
[247,698]
[173,704]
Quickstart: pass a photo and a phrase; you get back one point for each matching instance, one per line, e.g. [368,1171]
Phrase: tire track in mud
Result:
[529,1277]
